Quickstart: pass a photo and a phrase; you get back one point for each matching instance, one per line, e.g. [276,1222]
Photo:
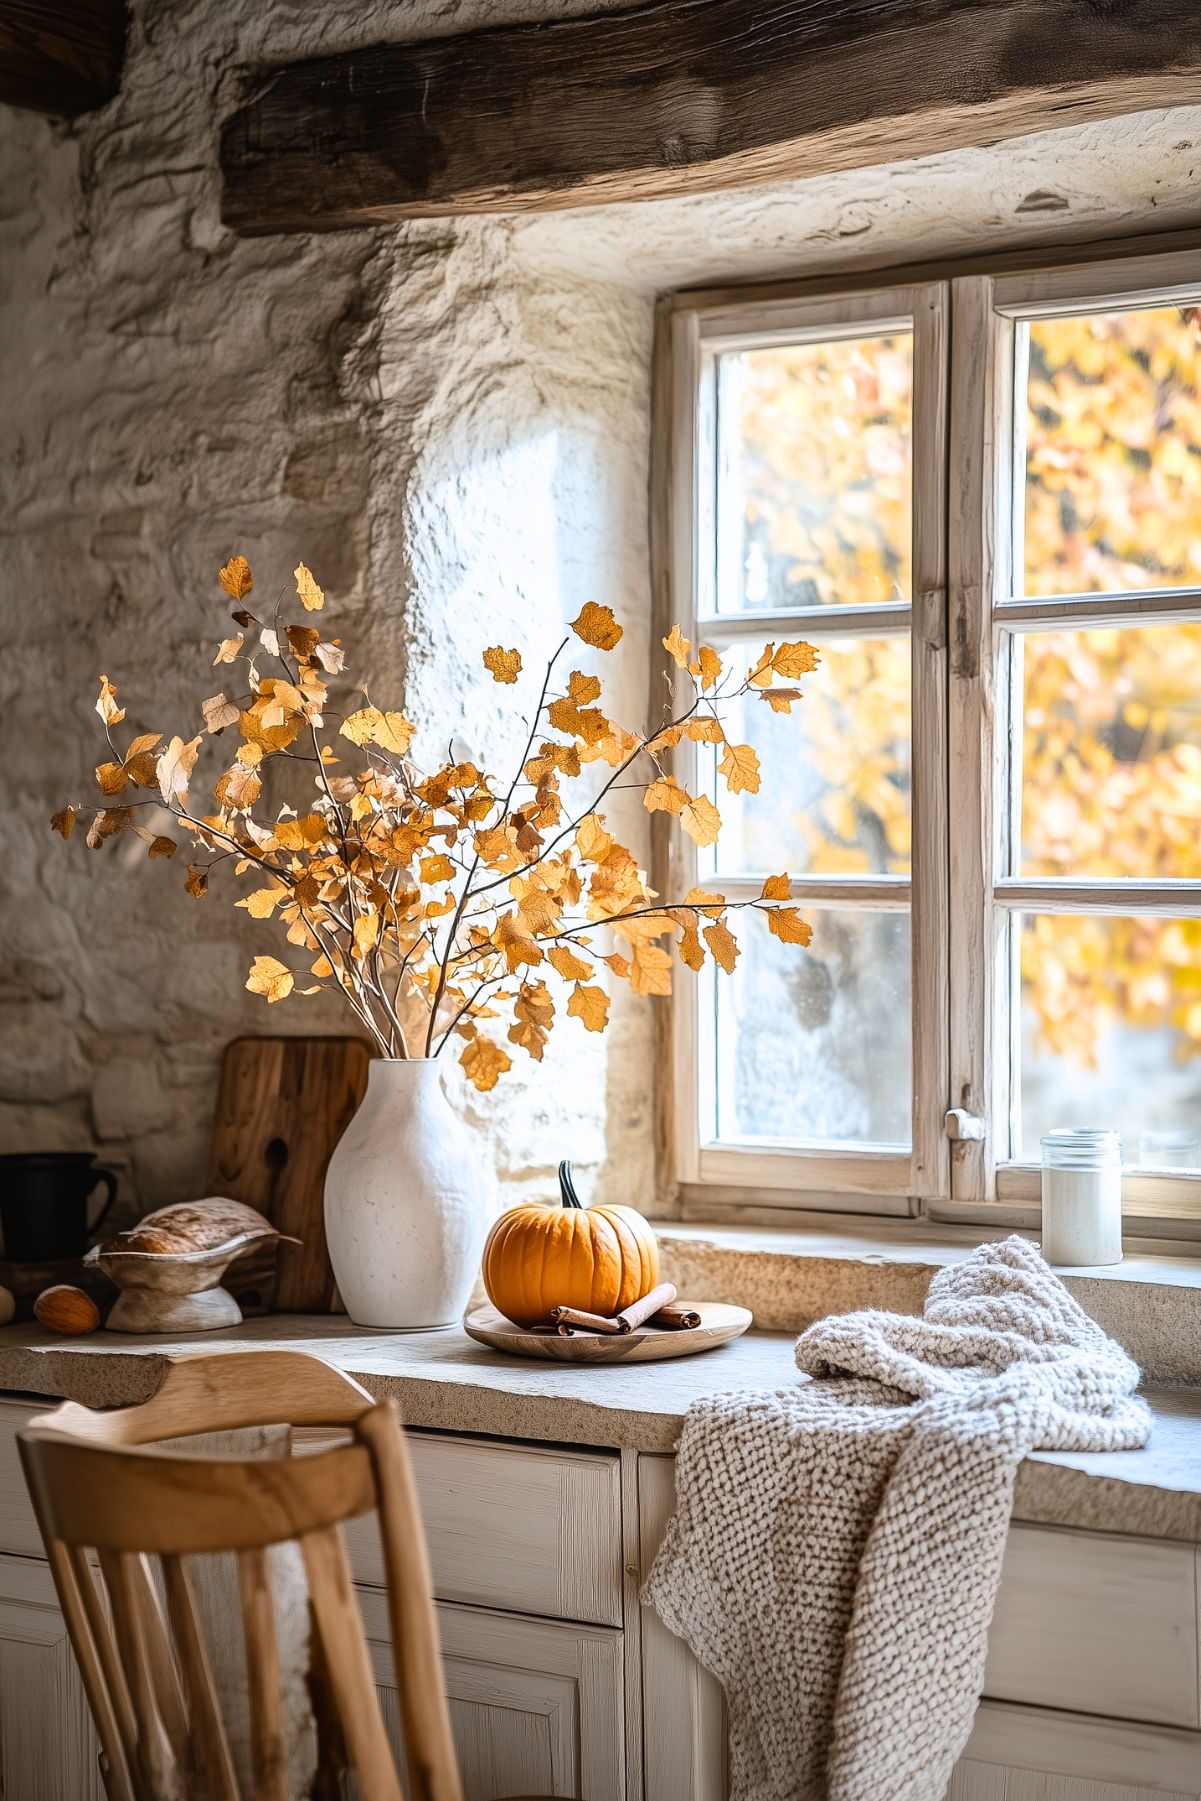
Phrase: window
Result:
[980,500]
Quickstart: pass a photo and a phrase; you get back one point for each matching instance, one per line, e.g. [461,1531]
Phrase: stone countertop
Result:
[445,1382]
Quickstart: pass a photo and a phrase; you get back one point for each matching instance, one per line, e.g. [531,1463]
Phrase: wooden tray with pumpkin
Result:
[580,1284]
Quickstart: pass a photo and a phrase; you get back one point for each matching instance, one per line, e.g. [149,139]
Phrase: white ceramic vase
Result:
[408,1202]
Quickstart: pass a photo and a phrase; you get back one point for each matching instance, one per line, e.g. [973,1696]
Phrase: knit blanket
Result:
[837,1545]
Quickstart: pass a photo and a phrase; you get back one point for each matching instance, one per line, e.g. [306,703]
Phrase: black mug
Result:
[44,1203]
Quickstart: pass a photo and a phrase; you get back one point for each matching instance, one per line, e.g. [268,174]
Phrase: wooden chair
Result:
[99,1484]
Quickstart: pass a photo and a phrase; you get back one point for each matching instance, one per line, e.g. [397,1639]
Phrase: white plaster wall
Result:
[447,422]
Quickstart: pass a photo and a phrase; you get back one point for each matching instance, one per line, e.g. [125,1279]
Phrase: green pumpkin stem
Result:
[567,1186]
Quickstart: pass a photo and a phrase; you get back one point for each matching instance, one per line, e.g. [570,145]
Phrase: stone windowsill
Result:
[1150,1303]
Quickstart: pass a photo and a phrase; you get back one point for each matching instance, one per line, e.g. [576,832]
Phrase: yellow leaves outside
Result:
[270,978]
[502,665]
[391,731]
[236,578]
[777,887]
[597,626]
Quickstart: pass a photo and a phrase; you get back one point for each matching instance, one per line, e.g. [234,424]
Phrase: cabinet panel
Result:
[536,1707]
[1098,1624]
[48,1748]
[510,1525]
[18,1528]
[683,1706]
[1037,1754]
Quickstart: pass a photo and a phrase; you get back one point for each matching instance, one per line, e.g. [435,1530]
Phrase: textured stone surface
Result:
[445,1382]
[448,422]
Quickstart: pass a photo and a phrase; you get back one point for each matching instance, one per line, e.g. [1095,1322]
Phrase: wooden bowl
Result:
[171,1292]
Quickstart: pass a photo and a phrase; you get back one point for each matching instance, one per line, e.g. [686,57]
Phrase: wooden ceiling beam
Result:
[682,95]
[60,56]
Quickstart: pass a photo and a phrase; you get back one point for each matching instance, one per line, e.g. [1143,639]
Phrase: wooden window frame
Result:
[962,610]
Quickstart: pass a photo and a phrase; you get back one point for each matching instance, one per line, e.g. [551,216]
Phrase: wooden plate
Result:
[719,1323]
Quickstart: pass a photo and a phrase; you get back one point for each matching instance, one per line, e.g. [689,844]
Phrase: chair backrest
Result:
[101,1486]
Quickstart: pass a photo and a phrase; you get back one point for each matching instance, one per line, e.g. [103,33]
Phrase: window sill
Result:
[789,1277]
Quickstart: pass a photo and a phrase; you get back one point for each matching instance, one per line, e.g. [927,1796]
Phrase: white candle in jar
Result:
[1082,1196]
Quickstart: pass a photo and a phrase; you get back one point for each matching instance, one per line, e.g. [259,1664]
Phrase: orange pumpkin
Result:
[599,1258]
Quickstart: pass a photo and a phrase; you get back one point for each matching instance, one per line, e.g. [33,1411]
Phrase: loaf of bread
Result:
[191,1226]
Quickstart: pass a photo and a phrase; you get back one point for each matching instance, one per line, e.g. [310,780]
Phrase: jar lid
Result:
[1082,1147]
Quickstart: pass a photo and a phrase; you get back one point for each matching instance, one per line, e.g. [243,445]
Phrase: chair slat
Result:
[211,1767]
[348,1666]
[161,1748]
[103,1682]
[262,1674]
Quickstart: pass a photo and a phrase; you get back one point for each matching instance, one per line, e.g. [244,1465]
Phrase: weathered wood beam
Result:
[60,56]
[682,95]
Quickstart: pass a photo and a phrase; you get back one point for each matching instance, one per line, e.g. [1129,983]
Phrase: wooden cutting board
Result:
[282,1106]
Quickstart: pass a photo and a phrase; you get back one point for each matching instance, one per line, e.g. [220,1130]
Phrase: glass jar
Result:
[1082,1196]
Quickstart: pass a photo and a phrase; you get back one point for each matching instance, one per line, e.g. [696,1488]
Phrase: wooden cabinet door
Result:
[536,1707]
[1037,1754]
[683,1707]
[48,1749]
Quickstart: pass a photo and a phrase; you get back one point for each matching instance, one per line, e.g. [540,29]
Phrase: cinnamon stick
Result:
[675,1319]
[630,1318]
[576,1319]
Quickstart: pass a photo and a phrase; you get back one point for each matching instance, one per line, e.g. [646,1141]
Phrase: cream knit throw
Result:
[837,1546]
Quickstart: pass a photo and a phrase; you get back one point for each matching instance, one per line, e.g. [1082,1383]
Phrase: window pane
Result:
[814,474]
[1111,1032]
[813,1045]
[1113,452]
[1111,752]
[834,773]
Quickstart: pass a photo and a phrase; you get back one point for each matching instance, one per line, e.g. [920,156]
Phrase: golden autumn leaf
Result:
[228,649]
[780,699]
[569,966]
[722,943]
[197,884]
[512,938]
[592,840]
[391,731]
[331,656]
[238,788]
[710,904]
[583,689]
[650,969]
[111,777]
[665,796]
[108,823]
[533,1015]
[786,924]
[106,704]
[312,598]
[302,640]
[366,932]
[702,821]
[678,647]
[175,767]
[762,673]
[740,766]
[437,868]
[707,667]
[263,902]
[690,950]
[162,846]
[236,578]
[794,660]
[777,887]
[503,665]
[305,833]
[705,730]
[597,626]
[591,1006]
[484,1063]
[63,822]
[270,978]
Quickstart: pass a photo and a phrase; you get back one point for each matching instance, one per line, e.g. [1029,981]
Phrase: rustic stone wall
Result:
[448,422]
